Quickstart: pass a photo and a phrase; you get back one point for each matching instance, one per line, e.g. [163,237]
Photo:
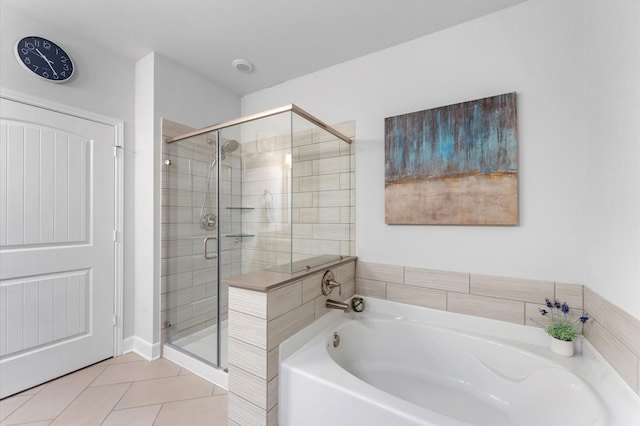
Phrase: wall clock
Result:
[44,59]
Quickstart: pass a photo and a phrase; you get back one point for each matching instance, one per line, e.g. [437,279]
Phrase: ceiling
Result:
[284,39]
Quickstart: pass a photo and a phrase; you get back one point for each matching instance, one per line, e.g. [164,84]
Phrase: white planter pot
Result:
[560,347]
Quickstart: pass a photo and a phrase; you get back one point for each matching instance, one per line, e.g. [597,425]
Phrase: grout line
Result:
[158,413]
[118,401]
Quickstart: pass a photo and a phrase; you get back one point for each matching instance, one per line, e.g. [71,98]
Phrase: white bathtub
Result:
[402,365]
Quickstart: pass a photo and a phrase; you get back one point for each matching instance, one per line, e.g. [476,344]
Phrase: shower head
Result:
[230,146]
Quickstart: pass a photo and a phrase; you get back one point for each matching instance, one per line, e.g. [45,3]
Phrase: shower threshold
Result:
[196,353]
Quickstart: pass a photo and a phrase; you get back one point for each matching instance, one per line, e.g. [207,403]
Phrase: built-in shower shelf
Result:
[240,208]
[239,235]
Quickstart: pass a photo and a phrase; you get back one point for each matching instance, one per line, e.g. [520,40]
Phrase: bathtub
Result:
[401,365]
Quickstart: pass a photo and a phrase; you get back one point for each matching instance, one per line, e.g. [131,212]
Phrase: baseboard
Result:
[146,350]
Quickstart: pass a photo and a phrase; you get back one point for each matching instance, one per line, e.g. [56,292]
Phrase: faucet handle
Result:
[329,283]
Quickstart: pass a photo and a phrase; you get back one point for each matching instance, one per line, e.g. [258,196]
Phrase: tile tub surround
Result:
[613,332]
[265,308]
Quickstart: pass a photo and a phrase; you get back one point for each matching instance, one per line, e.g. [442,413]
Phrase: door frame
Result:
[118,148]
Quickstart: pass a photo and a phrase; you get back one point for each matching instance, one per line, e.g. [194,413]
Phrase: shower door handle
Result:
[206,253]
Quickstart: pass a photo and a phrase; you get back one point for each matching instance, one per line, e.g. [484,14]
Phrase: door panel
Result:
[57,216]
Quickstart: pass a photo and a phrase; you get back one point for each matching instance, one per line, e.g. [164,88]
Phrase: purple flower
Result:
[557,305]
[543,311]
[584,318]
[549,305]
[565,308]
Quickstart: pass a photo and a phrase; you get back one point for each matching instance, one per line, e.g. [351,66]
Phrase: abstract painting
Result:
[453,165]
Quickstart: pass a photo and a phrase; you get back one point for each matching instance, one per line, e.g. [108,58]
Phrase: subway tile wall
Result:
[301,191]
[612,331]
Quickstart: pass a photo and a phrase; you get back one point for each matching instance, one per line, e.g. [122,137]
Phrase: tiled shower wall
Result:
[613,332]
[318,217]
[189,290]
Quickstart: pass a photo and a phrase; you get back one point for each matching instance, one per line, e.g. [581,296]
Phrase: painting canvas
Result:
[453,165]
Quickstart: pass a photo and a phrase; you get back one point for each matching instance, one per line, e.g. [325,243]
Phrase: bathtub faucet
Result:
[334,304]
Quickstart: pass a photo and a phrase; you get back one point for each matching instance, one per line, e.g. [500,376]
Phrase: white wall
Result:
[536,49]
[103,84]
[612,99]
[164,89]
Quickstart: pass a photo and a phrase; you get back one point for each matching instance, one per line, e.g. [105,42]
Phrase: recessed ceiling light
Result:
[243,65]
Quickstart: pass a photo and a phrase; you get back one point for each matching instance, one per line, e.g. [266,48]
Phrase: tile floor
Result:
[121,391]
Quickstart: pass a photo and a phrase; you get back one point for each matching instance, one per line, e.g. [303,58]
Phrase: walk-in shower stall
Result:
[269,191]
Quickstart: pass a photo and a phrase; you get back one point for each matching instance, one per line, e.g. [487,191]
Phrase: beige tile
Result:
[139,416]
[249,387]
[243,412]
[594,304]
[92,406]
[380,272]
[622,326]
[272,393]
[9,405]
[284,299]
[331,165]
[311,287]
[273,362]
[320,306]
[533,317]
[572,294]
[210,411]
[486,307]
[440,280]
[128,357]
[55,397]
[511,288]
[219,390]
[331,231]
[419,296]
[348,289]
[248,329]
[619,356]
[140,370]
[248,302]
[288,324]
[158,391]
[371,288]
[248,357]
[272,416]
[319,150]
[346,272]
[327,182]
[184,372]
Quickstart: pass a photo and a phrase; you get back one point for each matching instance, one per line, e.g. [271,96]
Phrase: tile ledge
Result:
[268,280]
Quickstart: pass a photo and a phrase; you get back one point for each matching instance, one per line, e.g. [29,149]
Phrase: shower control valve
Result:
[329,283]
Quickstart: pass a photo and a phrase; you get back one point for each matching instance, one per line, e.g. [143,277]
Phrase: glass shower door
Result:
[190,246]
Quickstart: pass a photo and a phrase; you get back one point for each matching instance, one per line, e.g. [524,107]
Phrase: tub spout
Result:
[334,304]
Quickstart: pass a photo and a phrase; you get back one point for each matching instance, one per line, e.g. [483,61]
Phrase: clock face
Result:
[44,58]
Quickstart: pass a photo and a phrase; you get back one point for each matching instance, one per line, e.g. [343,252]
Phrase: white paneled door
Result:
[57,221]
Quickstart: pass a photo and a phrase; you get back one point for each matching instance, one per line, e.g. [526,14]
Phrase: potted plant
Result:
[560,326]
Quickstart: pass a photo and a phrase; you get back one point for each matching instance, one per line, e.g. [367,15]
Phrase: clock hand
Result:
[47,60]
